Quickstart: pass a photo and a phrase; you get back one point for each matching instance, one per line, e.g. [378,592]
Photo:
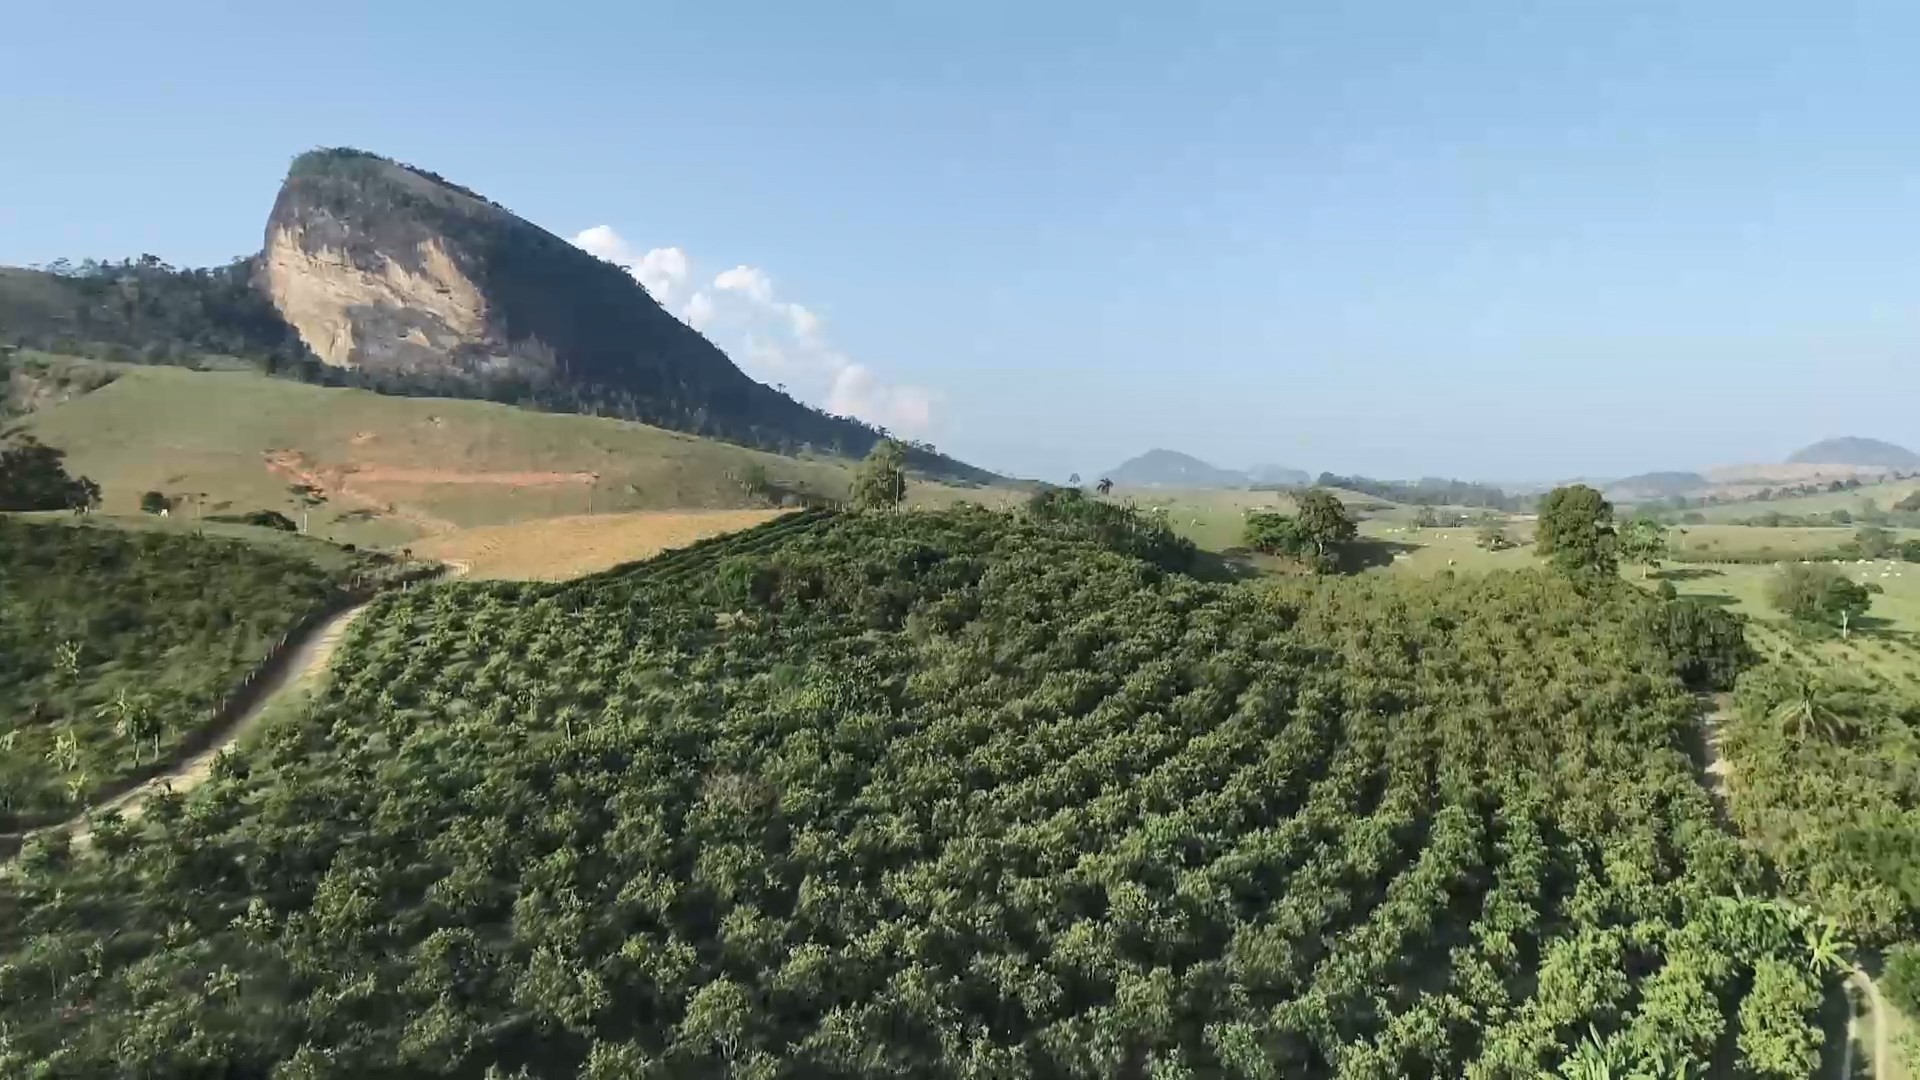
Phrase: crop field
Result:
[934,794]
[116,644]
[559,548]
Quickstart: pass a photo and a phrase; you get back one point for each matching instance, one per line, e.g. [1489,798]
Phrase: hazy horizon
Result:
[1483,242]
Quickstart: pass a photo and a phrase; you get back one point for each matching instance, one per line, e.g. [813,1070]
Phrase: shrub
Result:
[266,519]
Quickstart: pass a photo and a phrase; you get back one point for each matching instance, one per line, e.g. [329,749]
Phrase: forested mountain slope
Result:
[937,795]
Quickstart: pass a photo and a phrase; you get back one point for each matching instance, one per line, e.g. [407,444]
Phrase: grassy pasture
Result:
[400,468]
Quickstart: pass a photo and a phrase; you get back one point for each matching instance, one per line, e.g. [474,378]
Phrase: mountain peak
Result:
[1160,467]
[1855,450]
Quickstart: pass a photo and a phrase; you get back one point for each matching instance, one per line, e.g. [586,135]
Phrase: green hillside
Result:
[937,794]
[395,468]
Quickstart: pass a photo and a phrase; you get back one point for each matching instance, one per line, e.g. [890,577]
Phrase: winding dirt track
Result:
[307,661]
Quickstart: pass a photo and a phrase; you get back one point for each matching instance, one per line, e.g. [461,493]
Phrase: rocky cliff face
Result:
[380,267]
[403,275]
[383,314]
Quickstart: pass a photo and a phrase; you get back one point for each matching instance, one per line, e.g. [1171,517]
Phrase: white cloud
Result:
[699,311]
[749,281]
[661,270]
[805,323]
[780,342]
[857,392]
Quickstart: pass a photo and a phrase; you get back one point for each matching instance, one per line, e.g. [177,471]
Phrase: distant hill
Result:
[391,278]
[1853,450]
[1656,485]
[1279,475]
[1170,468]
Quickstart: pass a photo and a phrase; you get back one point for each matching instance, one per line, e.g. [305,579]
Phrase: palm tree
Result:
[1104,487]
[1826,949]
[1593,1061]
[1808,712]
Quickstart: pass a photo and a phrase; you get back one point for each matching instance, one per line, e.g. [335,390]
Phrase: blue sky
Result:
[1487,240]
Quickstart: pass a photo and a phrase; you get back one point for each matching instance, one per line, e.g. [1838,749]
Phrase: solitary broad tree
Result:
[881,483]
[1818,594]
[1325,524]
[1074,480]
[1643,541]
[1576,530]
[1426,518]
[1314,535]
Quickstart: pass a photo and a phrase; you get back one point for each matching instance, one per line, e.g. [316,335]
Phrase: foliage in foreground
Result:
[1827,780]
[1068,513]
[114,644]
[935,795]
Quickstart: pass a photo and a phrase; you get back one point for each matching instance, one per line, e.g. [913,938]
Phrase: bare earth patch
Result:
[354,485]
[555,549]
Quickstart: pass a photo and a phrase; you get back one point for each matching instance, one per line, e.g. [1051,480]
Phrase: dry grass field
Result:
[555,549]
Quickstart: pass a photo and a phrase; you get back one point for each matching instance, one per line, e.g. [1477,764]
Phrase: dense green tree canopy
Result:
[1575,529]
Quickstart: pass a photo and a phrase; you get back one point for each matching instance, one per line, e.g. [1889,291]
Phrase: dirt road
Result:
[307,661]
